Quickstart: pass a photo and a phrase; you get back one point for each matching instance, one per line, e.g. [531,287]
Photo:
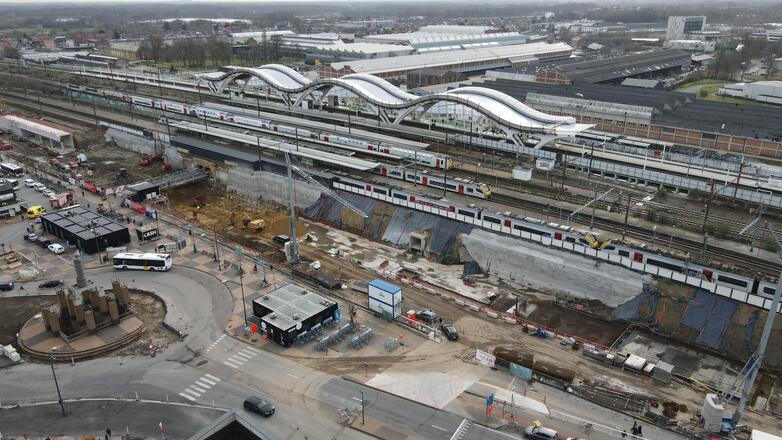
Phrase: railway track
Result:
[693,248]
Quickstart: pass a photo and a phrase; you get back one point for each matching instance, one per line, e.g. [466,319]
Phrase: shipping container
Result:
[522,173]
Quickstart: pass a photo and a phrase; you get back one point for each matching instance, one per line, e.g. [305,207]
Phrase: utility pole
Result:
[706,218]
[240,253]
[217,250]
[564,167]
[362,407]
[594,207]
[293,244]
[627,214]
[738,179]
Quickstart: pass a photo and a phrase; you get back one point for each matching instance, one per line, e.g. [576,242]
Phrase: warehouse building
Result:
[656,114]
[90,232]
[290,310]
[426,42]
[653,64]
[464,61]
[761,91]
[339,51]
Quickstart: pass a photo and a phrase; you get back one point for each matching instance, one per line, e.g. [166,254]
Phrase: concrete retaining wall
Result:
[270,186]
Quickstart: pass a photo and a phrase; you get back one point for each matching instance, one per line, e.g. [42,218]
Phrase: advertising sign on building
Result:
[544,164]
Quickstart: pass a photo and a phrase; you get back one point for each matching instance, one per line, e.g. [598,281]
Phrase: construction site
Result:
[628,323]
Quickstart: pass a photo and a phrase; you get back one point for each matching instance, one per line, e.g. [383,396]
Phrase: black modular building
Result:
[87,230]
[290,310]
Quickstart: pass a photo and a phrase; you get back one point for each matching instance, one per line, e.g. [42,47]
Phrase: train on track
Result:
[457,185]
[470,214]
[425,158]
[506,222]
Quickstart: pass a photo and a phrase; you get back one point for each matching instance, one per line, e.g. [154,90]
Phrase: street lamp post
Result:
[56,384]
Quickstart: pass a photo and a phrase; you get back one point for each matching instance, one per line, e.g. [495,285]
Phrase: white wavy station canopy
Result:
[507,113]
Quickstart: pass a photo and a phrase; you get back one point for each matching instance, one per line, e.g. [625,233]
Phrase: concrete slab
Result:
[434,383]
[552,271]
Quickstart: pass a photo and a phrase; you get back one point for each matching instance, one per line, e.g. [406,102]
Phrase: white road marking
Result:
[195,388]
[231,364]
[254,350]
[210,382]
[187,397]
[248,353]
[191,392]
[214,378]
[243,356]
[203,385]
[237,360]
[441,429]
[295,377]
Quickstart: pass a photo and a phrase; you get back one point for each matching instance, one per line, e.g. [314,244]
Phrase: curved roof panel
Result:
[493,104]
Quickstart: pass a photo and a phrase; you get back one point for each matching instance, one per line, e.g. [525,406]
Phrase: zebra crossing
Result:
[214,344]
[241,357]
[200,387]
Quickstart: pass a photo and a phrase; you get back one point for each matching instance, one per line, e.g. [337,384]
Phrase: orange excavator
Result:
[148,159]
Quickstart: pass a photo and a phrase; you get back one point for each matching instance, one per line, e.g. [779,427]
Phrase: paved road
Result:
[141,419]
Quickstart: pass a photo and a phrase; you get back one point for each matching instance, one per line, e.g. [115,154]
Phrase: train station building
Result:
[43,134]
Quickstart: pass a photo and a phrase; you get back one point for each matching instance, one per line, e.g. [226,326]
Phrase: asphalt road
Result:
[140,419]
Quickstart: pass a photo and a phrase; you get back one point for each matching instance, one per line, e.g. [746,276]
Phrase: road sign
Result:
[489,399]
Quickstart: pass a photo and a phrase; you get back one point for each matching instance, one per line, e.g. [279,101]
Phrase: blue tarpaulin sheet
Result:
[710,315]
[631,310]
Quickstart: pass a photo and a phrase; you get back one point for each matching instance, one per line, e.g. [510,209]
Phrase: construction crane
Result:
[293,244]
[750,370]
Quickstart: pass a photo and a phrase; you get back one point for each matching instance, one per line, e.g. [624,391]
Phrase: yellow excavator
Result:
[256,225]
[593,240]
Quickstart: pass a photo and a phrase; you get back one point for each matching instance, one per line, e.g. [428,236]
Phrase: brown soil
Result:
[226,213]
[151,311]
[573,323]
[16,311]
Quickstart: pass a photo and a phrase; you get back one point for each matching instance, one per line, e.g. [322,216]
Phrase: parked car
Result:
[5,287]
[427,315]
[540,433]
[281,239]
[450,332]
[31,237]
[56,248]
[259,406]
[29,183]
[51,284]
[39,187]
[48,193]
[43,242]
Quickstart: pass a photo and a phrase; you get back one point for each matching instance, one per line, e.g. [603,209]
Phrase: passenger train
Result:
[476,215]
[433,160]
[458,185]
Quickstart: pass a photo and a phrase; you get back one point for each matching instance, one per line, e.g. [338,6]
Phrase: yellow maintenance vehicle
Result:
[593,240]
[256,225]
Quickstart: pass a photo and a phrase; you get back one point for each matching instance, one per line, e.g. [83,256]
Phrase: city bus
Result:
[10,169]
[156,262]
[14,183]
